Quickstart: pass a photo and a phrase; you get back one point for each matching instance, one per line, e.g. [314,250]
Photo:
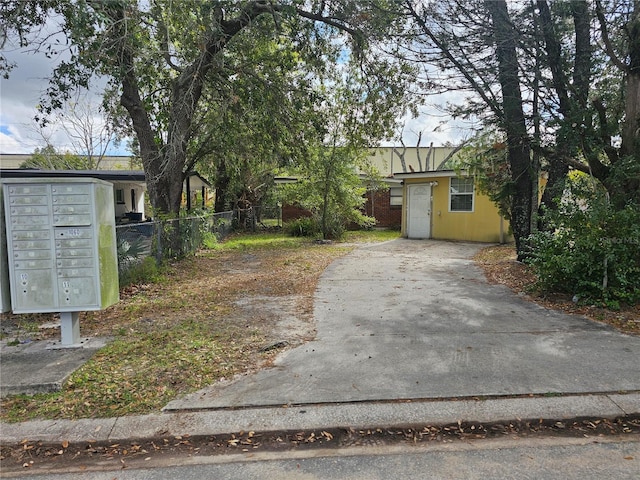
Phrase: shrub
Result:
[209,241]
[145,270]
[302,227]
[590,250]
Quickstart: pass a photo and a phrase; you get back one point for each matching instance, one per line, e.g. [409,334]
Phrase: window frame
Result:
[395,200]
[471,193]
[120,196]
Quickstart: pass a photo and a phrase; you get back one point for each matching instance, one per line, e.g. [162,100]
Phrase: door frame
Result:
[410,189]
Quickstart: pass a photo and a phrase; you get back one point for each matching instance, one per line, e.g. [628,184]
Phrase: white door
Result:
[419,211]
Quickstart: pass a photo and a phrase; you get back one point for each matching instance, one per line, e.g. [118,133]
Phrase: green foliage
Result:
[227,83]
[209,240]
[591,249]
[145,270]
[302,227]
[48,158]
[130,253]
[332,191]
[624,181]
[485,158]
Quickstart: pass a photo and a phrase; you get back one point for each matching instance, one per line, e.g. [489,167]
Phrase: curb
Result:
[311,417]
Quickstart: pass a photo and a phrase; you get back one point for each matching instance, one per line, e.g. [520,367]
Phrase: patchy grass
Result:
[190,329]
[375,235]
[501,267]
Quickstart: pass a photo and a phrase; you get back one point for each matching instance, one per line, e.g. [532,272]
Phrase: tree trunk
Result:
[630,150]
[164,163]
[222,186]
[630,133]
[513,122]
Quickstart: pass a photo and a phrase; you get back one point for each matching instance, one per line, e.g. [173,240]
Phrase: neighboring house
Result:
[129,188]
[107,162]
[385,205]
[445,206]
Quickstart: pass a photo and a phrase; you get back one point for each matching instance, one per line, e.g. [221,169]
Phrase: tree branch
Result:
[457,64]
[607,40]
[164,40]
[605,136]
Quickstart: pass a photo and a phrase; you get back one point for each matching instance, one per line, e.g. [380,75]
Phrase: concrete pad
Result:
[41,366]
[52,431]
[416,320]
[629,403]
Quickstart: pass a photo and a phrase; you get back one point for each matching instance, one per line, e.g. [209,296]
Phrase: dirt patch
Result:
[290,317]
[501,267]
[216,315]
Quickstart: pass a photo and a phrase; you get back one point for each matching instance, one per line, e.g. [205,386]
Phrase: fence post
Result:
[158,232]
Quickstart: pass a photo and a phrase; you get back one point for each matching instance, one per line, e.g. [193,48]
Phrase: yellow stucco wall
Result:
[481,225]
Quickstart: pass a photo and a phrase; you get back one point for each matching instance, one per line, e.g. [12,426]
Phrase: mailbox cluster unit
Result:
[60,244]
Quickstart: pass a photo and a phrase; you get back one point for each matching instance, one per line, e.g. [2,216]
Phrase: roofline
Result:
[109,175]
[433,173]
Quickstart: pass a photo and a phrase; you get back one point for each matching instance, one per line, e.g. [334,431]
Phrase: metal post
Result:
[70,328]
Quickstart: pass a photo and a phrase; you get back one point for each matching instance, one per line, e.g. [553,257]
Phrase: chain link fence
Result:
[167,239]
[258,218]
[176,238]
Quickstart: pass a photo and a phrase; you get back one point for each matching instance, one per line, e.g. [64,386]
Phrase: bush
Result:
[590,250]
[145,270]
[209,241]
[302,227]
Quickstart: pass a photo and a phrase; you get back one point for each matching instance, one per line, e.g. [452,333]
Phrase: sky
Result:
[21,93]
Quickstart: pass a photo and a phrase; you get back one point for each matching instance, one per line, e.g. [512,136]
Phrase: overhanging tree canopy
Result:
[160,57]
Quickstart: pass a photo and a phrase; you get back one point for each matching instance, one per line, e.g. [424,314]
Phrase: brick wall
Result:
[291,212]
[389,216]
[378,206]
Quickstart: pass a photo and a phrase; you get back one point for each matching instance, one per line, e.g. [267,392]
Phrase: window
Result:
[395,196]
[461,195]
[120,196]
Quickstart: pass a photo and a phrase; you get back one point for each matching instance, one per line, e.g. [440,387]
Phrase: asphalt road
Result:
[518,458]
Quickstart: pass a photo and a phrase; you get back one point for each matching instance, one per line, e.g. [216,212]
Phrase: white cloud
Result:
[20,95]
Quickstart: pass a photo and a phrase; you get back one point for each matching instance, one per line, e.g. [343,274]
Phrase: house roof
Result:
[202,180]
[431,174]
[108,175]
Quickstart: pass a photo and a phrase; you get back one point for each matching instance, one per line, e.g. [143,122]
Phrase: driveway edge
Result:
[313,417]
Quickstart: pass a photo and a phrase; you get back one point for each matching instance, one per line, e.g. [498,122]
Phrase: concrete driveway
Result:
[415,319]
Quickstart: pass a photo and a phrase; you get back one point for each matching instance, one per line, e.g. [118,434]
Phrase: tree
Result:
[523,174]
[266,113]
[475,47]
[89,132]
[351,114]
[591,98]
[48,158]
[160,55]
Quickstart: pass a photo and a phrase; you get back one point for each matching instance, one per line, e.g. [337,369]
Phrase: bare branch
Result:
[457,64]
